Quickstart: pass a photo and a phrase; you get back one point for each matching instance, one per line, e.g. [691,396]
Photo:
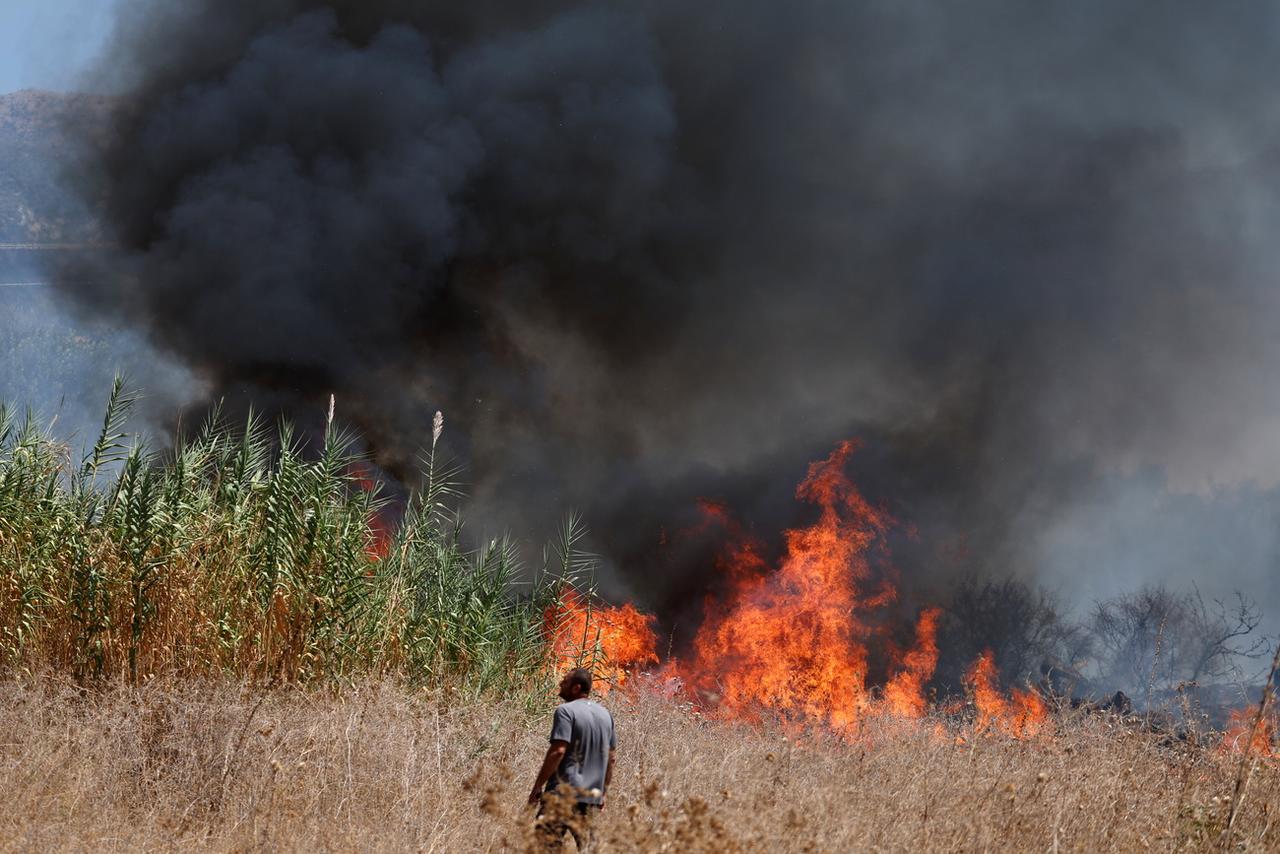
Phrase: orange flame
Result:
[743,555]
[792,639]
[609,640]
[790,642]
[1030,713]
[904,693]
[377,529]
[1236,739]
[990,705]
[379,540]
[1023,715]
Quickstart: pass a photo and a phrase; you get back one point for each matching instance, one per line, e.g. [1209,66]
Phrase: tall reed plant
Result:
[246,550]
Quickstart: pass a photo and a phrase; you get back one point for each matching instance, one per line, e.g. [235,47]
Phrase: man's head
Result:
[576,684]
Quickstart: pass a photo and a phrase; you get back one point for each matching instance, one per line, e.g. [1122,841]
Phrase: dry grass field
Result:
[243,559]
[376,766]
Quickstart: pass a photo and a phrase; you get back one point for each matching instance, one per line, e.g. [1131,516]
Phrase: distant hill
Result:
[34,146]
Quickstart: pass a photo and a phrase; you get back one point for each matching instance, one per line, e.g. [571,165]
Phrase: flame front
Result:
[1022,715]
[904,694]
[1241,737]
[609,640]
[790,641]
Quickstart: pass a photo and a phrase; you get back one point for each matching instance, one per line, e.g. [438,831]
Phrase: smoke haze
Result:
[640,253]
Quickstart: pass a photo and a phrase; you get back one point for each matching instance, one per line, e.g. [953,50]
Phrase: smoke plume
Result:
[640,253]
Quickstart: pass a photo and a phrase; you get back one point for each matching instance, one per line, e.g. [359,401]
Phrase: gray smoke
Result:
[644,252]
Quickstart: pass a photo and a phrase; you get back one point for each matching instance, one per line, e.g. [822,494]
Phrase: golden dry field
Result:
[378,767]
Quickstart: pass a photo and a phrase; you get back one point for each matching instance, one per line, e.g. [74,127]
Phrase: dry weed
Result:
[376,767]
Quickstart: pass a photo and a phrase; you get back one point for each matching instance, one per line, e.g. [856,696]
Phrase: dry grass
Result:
[373,767]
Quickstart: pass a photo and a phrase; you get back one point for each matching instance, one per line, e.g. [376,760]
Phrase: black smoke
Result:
[644,252]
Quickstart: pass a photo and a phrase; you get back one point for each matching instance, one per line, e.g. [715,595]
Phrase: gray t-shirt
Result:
[588,728]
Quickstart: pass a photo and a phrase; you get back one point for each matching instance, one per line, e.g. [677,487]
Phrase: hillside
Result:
[34,146]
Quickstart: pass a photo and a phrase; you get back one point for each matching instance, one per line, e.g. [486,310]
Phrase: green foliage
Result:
[242,550]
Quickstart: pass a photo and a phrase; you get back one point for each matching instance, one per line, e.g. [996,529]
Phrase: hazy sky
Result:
[44,44]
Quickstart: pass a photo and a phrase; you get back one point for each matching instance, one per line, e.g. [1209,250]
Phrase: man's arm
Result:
[550,763]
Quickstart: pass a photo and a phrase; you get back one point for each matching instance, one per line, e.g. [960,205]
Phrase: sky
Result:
[45,44]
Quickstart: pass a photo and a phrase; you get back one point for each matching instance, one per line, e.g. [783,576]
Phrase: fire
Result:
[904,694]
[791,638]
[1237,739]
[790,641]
[743,555]
[378,528]
[609,640]
[379,537]
[981,680]
[1022,715]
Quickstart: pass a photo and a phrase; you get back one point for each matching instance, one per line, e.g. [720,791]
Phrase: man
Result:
[571,785]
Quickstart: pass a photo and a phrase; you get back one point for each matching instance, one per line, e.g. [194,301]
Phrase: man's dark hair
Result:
[580,676]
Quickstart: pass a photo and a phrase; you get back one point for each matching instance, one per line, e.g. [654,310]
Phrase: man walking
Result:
[575,774]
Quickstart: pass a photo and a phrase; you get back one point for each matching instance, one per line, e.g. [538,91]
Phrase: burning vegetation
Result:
[1023,713]
[792,643]
[1251,731]
[239,552]
[609,640]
